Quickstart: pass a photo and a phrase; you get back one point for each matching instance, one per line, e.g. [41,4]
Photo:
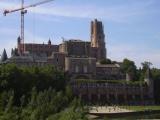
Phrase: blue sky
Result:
[132,27]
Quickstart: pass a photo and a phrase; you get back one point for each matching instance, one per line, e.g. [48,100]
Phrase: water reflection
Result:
[131,117]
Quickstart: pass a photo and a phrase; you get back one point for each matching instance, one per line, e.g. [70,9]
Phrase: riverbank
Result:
[107,110]
[120,111]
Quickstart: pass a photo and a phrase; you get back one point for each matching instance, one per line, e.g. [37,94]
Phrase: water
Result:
[132,117]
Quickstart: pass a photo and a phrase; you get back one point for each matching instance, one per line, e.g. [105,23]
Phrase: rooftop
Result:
[107,65]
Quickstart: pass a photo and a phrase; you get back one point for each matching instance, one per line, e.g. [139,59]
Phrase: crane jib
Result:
[23,11]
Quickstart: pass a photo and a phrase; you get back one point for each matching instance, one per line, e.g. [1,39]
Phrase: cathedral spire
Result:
[49,41]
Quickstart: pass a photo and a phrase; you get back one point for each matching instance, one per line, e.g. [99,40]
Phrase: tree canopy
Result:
[4,56]
[129,67]
[36,93]
[105,61]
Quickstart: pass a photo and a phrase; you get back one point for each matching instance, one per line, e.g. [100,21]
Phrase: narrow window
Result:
[76,69]
[85,70]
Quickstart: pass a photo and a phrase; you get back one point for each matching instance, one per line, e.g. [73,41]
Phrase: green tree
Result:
[146,65]
[4,56]
[129,67]
[156,77]
[105,61]
[35,93]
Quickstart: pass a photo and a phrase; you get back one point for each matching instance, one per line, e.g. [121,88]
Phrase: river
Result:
[132,117]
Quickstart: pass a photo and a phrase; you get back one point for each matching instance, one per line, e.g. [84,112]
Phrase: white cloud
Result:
[118,13]
[8,31]
[7,45]
[136,53]
[10,40]
[32,38]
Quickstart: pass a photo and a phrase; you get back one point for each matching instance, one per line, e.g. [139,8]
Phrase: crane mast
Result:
[23,11]
[22,25]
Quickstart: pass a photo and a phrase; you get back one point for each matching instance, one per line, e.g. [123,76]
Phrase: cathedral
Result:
[81,61]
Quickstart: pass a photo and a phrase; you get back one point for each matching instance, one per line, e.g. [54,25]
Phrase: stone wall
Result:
[80,67]
[109,72]
[109,93]
[76,48]
[46,49]
[58,60]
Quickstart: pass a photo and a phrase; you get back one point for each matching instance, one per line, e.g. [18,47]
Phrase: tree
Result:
[68,92]
[105,61]
[35,93]
[130,68]
[156,78]
[146,65]
[4,56]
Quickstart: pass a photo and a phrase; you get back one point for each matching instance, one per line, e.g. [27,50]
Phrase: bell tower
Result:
[98,39]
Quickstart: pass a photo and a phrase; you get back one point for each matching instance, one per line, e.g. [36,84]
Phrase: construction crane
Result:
[23,11]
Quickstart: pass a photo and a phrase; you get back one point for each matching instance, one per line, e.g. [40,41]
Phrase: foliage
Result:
[36,93]
[136,82]
[74,112]
[105,61]
[156,77]
[129,67]
[4,56]
[141,108]
[146,65]
[23,79]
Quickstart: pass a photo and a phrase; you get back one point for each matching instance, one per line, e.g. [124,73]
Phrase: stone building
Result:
[113,93]
[81,67]
[109,92]
[109,72]
[98,40]
[80,60]
[76,48]
[38,49]
[76,57]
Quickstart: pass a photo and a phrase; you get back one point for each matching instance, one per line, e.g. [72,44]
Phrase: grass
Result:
[141,108]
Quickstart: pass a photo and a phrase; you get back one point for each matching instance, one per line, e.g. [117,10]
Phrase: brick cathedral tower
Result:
[98,39]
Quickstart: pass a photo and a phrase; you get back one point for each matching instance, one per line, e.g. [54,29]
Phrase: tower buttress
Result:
[149,81]
[19,45]
[98,39]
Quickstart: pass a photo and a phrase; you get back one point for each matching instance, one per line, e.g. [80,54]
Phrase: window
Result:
[85,70]
[76,69]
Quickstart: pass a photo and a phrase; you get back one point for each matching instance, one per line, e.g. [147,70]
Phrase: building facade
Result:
[80,60]
[114,93]
[77,57]
[98,40]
